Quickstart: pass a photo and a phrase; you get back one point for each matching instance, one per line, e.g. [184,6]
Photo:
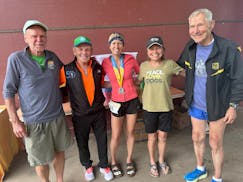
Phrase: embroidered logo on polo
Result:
[70,74]
[50,64]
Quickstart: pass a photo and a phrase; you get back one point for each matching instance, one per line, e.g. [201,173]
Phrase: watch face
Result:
[234,105]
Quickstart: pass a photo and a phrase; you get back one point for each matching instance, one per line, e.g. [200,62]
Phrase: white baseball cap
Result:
[30,23]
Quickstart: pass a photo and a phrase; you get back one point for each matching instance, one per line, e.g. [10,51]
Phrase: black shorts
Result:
[157,121]
[129,107]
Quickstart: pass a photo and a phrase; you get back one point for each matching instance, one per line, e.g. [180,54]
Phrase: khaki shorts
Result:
[44,139]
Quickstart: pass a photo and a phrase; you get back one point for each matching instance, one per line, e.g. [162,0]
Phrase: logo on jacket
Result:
[239,48]
[50,64]
[70,74]
[215,66]
[99,71]
[187,63]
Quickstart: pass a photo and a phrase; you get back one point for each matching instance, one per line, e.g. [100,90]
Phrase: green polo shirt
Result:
[40,60]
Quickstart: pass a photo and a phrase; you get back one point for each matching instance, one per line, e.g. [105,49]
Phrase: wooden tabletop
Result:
[176,93]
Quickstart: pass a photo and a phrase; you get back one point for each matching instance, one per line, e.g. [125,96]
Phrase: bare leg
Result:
[116,129]
[58,164]
[162,137]
[131,122]
[198,137]
[43,172]
[152,138]
[216,133]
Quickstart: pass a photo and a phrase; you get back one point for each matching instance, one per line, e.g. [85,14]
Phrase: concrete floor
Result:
[179,155]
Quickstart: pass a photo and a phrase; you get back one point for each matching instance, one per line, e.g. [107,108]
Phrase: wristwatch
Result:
[234,105]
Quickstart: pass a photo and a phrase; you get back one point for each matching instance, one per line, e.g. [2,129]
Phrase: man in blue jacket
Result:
[214,89]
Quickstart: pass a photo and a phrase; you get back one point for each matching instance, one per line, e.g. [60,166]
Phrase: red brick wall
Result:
[136,19]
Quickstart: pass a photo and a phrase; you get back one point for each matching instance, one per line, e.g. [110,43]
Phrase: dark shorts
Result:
[129,107]
[155,121]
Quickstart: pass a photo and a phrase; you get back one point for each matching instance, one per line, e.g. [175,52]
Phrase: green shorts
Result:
[44,139]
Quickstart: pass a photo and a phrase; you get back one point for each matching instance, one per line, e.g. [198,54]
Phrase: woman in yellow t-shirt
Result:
[156,74]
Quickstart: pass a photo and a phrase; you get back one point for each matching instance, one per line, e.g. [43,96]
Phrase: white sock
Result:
[217,179]
[201,168]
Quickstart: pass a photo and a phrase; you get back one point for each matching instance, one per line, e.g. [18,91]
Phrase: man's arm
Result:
[18,126]
[236,76]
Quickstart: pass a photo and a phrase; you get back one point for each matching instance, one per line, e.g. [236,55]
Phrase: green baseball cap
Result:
[81,40]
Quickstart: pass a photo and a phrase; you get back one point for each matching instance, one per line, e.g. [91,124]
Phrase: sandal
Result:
[131,170]
[116,170]
[165,168]
[154,170]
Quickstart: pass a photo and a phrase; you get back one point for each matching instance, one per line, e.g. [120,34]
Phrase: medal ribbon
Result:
[119,73]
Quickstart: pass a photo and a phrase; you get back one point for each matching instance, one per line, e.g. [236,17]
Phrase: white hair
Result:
[207,13]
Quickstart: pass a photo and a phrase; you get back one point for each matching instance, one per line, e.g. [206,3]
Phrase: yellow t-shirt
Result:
[156,95]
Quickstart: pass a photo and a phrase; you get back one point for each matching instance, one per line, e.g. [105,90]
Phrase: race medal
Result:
[119,73]
[121,90]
